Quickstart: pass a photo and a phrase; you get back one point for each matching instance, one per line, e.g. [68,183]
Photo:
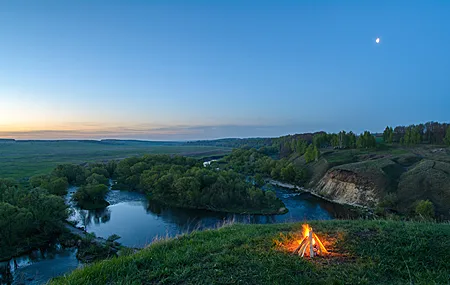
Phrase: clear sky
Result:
[209,69]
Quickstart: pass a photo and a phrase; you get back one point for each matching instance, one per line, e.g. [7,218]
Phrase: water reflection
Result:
[138,221]
[39,265]
[88,217]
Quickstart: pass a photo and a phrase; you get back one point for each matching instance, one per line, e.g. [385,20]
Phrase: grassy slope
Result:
[365,252]
[24,159]
[410,173]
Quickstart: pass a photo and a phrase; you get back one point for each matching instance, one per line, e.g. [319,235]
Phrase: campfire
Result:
[310,245]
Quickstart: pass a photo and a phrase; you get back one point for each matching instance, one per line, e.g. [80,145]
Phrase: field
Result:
[22,159]
[363,252]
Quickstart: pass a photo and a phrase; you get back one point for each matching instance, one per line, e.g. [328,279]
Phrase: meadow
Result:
[22,159]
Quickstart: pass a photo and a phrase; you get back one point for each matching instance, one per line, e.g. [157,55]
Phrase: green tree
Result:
[335,140]
[259,180]
[388,135]
[366,140]
[15,223]
[97,179]
[309,154]
[351,140]
[48,211]
[91,195]
[447,136]
[288,173]
[57,186]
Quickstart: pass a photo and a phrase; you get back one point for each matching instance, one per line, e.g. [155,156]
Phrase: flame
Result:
[304,245]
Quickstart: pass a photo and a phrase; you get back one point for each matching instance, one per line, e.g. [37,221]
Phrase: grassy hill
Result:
[402,175]
[363,252]
[21,159]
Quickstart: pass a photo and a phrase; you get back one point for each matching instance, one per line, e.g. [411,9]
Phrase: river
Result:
[138,222]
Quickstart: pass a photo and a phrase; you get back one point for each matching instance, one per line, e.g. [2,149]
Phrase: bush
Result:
[425,209]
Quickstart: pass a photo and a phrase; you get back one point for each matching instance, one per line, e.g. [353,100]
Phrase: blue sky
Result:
[210,69]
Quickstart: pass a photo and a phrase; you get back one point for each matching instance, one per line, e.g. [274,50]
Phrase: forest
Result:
[184,182]
[171,180]
[28,217]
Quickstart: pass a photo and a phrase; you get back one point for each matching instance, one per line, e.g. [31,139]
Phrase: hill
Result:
[362,252]
[401,175]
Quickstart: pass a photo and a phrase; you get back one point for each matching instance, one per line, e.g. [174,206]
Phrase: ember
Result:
[310,245]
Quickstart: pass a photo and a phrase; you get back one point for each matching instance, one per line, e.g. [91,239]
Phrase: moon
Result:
[377,40]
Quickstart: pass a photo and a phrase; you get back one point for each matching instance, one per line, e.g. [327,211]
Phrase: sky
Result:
[183,70]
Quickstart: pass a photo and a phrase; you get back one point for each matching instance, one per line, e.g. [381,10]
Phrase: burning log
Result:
[310,245]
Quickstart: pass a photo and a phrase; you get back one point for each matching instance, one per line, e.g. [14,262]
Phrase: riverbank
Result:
[303,189]
[369,252]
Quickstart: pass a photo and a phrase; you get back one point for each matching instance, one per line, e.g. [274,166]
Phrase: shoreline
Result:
[306,190]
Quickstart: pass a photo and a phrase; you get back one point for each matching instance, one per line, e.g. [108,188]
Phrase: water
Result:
[39,266]
[138,222]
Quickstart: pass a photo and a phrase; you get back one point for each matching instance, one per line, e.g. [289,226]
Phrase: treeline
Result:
[296,144]
[428,133]
[28,217]
[184,182]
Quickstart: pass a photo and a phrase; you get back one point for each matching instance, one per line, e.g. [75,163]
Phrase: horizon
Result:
[379,132]
[180,72]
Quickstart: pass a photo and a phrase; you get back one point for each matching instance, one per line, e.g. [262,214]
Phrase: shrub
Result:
[425,209]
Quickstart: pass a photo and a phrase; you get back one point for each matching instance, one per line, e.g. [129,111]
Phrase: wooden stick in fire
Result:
[299,245]
[311,248]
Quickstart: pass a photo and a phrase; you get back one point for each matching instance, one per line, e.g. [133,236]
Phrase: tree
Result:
[316,153]
[54,185]
[48,211]
[335,142]
[447,136]
[288,173]
[15,222]
[91,195]
[322,140]
[351,140]
[57,186]
[75,174]
[366,140]
[312,153]
[309,154]
[259,180]
[388,135]
[97,179]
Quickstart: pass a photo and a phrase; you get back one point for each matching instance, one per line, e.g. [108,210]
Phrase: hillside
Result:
[362,252]
[401,175]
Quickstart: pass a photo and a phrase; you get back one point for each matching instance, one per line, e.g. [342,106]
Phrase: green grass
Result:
[364,252]
[25,159]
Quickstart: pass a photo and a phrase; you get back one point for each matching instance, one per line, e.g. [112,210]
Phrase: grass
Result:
[364,252]
[28,158]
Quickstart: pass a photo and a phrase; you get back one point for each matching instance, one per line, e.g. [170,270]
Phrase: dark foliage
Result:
[184,182]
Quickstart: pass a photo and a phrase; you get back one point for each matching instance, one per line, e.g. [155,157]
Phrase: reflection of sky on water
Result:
[138,221]
[40,265]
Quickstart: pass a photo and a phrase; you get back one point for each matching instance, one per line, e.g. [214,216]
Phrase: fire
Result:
[310,245]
